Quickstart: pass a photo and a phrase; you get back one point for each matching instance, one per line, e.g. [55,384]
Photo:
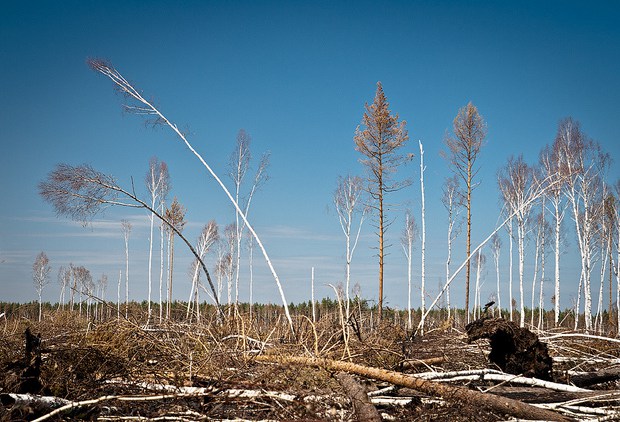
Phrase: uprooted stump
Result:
[514,349]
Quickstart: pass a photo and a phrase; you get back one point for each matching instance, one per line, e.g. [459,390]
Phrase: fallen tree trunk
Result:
[364,409]
[452,393]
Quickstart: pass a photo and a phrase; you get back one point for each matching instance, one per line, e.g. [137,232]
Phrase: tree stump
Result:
[514,349]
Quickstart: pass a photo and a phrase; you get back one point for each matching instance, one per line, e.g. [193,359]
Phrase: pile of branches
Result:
[246,371]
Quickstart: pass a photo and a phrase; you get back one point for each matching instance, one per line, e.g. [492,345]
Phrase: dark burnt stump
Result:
[514,349]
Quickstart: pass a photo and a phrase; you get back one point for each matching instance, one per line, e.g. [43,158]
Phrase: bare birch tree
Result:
[516,184]
[64,278]
[40,274]
[550,165]
[165,187]
[481,260]
[143,107]
[230,240]
[452,201]
[406,240]
[154,181]
[464,147]
[175,217]
[423,246]
[348,201]
[582,162]
[379,142]
[239,164]
[126,229]
[496,247]
[208,237]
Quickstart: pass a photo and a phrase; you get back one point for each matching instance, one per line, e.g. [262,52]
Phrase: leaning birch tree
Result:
[379,138]
[464,147]
[143,107]
[81,192]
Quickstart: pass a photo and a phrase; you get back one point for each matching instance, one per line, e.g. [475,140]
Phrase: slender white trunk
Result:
[536,255]
[423,248]
[499,301]
[477,290]
[558,223]
[510,235]
[118,295]
[541,303]
[150,269]
[193,290]
[161,261]
[598,324]
[521,235]
[251,263]
[239,230]
[348,266]
[312,296]
[449,258]
[409,256]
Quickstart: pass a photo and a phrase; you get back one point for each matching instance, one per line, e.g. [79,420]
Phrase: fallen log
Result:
[448,392]
[587,379]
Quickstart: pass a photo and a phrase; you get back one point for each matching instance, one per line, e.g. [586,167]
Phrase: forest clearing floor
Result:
[119,370]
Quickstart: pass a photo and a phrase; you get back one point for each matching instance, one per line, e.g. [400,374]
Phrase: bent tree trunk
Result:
[448,392]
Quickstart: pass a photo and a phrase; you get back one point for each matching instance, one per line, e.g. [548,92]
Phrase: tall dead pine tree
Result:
[463,150]
[379,142]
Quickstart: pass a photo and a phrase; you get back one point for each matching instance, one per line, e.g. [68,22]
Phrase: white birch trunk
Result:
[521,235]
[161,259]
[541,303]
[312,296]
[536,255]
[477,289]
[408,254]
[423,248]
[510,235]
[558,223]
[251,264]
[499,300]
[150,279]
[118,295]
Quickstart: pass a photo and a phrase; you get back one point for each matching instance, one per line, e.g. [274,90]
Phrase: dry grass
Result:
[83,360]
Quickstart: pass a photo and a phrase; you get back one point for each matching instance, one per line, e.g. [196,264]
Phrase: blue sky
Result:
[295,76]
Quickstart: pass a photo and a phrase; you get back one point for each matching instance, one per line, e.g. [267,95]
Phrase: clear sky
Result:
[295,75]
